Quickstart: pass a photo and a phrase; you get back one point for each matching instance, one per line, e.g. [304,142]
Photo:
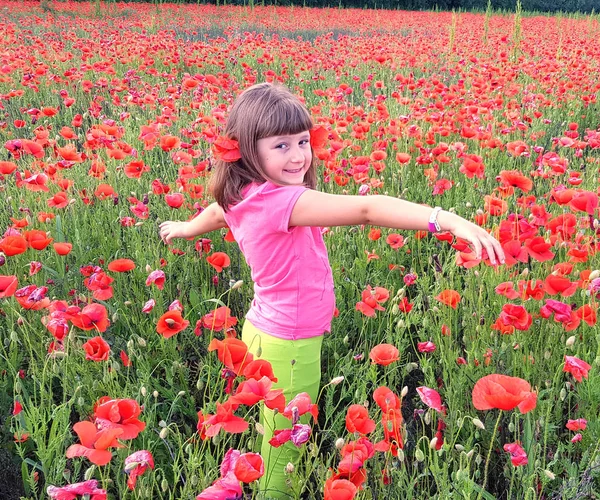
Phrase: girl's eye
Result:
[304,141]
[281,146]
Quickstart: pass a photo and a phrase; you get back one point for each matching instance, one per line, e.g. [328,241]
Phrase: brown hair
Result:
[263,110]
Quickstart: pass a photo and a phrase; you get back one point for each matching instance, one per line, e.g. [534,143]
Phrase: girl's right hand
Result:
[173,229]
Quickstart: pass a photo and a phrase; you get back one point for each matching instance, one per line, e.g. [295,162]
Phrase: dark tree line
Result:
[582,6]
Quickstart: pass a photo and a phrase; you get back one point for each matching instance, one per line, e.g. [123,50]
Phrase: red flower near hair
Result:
[226,150]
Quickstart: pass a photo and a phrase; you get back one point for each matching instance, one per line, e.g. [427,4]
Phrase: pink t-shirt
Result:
[293,283]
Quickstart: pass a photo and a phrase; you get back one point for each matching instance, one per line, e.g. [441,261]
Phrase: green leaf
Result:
[25,476]
[60,236]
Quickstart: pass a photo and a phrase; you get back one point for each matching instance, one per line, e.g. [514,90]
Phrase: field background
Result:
[518,92]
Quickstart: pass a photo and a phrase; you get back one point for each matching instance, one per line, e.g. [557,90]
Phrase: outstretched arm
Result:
[210,219]
[321,209]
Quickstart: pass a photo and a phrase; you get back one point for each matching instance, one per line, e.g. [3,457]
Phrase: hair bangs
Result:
[286,117]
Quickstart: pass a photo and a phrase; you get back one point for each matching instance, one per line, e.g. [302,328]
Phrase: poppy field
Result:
[122,372]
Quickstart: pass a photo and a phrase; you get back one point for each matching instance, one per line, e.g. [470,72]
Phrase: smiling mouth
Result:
[293,171]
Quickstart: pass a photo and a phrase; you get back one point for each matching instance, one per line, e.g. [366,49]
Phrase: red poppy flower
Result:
[224,419]
[8,286]
[226,150]
[516,179]
[232,352]
[136,464]
[119,414]
[507,290]
[249,467]
[73,490]
[7,167]
[517,454]
[62,248]
[339,489]
[386,399]
[94,443]
[219,319]
[171,323]
[449,297]
[430,397]
[121,265]
[219,261]
[538,249]
[157,278]
[37,239]
[92,316]
[302,404]
[174,200]
[395,240]
[258,369]
[504,393]
[577,425]
[169,142]
[357,420]
[135,169]
[516,316]
[384,354]
[576,367]
[96,349]
[251,391]
[555,285]
[13,245]
[585,313]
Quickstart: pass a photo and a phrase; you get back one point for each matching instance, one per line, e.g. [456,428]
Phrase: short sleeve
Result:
[279,201]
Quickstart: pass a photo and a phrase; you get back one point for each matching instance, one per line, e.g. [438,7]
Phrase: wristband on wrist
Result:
[434,225]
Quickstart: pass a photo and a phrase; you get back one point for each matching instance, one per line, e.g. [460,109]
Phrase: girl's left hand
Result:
[480,239]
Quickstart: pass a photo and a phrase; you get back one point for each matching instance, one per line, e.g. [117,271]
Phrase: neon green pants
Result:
[297,366]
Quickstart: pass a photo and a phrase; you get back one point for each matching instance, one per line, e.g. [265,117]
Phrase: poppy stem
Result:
[487,460]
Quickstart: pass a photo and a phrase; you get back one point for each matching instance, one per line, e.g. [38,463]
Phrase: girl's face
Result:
[286,158]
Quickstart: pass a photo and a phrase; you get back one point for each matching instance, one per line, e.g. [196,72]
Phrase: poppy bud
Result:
[433,443]
[479,424]
[289,468]
[404,392]
[165,484]
[339,443]
[259,428]
[237,285]
[549,474]
[89,472]
[594,274]
[155,394]
[419,455]
[459,447]
[164,433]
[563,394]
[411,366]
[141,342]
[143,391]
[468,205]
[337,380]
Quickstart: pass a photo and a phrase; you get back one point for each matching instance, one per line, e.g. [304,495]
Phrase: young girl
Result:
[264,187]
